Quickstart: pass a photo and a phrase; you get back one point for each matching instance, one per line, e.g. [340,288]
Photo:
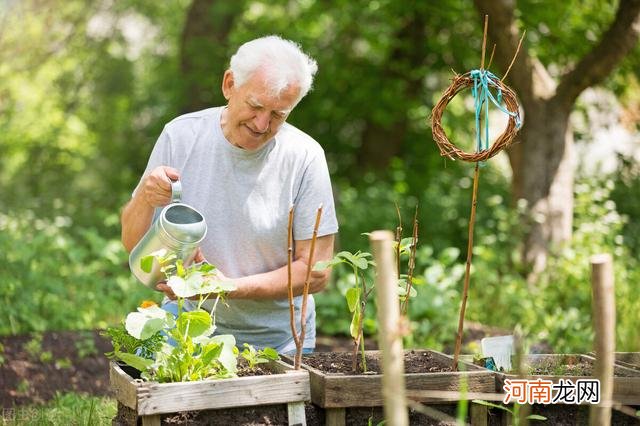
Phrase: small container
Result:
[179,229]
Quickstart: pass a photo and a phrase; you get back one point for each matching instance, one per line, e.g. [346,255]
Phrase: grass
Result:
[66,409]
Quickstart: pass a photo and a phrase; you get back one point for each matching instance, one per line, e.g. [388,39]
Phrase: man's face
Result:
[253,115]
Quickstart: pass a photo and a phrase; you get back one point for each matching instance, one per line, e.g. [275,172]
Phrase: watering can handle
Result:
[176,191]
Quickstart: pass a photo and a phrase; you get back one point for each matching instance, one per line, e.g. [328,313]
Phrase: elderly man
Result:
[243,166]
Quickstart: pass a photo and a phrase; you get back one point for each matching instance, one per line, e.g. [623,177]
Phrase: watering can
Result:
[179,229]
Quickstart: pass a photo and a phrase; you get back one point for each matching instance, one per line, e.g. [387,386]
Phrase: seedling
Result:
[356,296]
[255,357]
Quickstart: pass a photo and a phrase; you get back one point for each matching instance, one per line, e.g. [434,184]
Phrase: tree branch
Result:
[615,44]
[504,33]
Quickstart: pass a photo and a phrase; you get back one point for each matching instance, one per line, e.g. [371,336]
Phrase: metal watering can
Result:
[179,229]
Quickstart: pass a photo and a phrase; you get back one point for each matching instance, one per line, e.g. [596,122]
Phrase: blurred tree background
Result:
[86,87]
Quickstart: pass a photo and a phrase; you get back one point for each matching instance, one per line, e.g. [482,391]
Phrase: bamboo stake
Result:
[604,321]
[305,291]
[467,272]
[292,319]
[472,221]
[484,40]
[393,387]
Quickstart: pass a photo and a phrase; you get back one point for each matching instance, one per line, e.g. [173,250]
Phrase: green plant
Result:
[34,348]
[192,354]
[64,409]
[255,357]
[85,345]
[356,296]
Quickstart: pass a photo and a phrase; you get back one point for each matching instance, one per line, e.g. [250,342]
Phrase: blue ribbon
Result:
[482,79]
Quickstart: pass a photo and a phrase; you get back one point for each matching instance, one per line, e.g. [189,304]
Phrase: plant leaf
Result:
[355,321]
[353,297]
[536,417]
[146,263]
[135,361]
[194,323]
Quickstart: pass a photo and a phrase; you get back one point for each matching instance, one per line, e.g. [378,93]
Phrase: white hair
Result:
[283,62]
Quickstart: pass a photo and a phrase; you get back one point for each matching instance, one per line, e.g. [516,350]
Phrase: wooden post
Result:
[389,337]
[604,319]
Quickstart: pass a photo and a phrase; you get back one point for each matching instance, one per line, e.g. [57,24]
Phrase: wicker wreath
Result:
[447,149]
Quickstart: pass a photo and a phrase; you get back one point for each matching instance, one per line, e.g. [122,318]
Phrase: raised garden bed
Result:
[626,381]
[628,359]
[337,390]
[150,400]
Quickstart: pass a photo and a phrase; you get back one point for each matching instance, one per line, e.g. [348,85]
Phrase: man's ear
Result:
[227,84]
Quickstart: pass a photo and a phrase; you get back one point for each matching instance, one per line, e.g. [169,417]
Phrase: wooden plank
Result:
[479,415]
[341,390]
[151,420]
[365,391]
[123,386]
[335,416]
[295,414]
[155,398]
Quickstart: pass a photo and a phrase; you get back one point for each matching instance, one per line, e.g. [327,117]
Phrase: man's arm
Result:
[155,191]
[273,284]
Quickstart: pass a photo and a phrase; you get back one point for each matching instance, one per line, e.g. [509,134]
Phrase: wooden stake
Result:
[393,387]
[292,317]
[484,40]
[604,322]
[305,291]
[467,273]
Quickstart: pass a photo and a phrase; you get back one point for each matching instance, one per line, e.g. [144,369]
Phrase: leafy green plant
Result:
[34,348]
[255,357]
[85,345]
[193,354]
[356,296]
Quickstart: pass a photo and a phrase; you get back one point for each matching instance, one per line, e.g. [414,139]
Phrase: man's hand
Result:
[156,188]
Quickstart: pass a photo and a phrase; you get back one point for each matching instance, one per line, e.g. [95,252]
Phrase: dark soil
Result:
[572,366]
[35,367]
[341,362]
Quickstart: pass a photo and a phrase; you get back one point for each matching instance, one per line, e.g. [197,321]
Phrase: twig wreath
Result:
[481,82]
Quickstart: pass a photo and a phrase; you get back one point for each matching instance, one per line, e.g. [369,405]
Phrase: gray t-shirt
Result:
[245,198]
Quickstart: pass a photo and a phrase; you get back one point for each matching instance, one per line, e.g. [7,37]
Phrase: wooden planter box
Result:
[151,399]
[336,391]
[628,359]
[626,381]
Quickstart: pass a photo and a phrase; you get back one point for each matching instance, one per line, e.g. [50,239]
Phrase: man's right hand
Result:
[156,188]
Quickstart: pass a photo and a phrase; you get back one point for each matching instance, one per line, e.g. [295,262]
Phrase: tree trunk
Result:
[542,165]
[381,143]
[542,161]
[204,51]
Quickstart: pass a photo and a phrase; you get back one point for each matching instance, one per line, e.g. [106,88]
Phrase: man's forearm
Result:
[274,284]
[136,219]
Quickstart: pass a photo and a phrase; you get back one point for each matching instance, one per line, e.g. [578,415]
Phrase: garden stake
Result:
[604,324]
[393,387]
[480,81]
[305,292]
[292,319]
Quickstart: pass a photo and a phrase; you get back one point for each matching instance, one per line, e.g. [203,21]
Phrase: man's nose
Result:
[262,121]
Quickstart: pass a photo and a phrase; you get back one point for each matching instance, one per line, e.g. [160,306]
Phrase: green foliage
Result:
[50,265]
[255,357]
[68,409]
[124,342]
